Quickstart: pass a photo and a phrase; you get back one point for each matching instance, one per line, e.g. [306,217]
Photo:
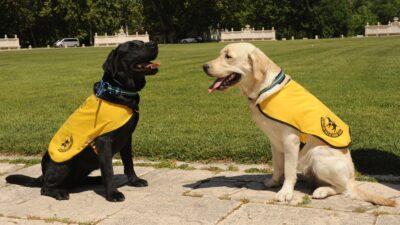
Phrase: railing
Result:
[9,43]
[392,29]
[116,39]
[247,34]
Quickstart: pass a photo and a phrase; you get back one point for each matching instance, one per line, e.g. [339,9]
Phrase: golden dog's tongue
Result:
[215,85]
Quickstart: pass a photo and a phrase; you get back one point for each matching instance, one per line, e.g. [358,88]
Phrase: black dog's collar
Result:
[115,91]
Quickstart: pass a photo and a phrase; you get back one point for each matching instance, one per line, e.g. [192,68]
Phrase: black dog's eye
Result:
[228,56]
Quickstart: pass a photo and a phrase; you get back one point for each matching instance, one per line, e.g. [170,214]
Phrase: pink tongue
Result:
[215,86]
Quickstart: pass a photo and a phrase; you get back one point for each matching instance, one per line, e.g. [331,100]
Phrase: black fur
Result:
[58,178]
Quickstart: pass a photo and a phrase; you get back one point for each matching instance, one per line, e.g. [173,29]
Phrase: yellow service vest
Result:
[295,106]
[92,119]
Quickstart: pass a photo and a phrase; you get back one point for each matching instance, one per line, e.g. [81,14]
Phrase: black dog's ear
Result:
[109,65]
[124,47]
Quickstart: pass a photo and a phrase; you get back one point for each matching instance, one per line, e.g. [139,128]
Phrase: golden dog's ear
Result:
[259,63]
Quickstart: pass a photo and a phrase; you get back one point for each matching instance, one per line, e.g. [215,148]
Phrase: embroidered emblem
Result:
[66,145]
[330,128]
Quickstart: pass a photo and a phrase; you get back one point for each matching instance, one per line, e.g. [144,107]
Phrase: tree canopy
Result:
[42,22]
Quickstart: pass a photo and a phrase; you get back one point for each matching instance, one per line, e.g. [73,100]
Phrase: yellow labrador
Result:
[259,78]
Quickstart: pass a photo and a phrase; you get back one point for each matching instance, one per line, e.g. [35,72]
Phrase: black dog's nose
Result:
[206,67]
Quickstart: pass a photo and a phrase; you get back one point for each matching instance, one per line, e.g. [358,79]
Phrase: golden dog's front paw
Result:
[285,194]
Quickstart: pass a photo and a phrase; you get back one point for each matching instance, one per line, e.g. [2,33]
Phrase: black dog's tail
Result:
[25,180]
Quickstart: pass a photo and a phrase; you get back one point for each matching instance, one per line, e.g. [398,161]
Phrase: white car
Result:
[67,42]
[188,40]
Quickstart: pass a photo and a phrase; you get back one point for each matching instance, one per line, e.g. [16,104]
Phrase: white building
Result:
[119,38]
[392,29]
[248,34]
[9,43]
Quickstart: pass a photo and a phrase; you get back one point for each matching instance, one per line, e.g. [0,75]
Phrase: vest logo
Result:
[66,145]
[330,128]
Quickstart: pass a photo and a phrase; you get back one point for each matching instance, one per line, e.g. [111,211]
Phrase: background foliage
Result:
[42,22]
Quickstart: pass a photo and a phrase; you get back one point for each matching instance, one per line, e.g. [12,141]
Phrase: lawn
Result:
[358,78]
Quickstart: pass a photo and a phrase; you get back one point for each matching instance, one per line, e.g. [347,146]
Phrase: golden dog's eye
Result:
[228,56]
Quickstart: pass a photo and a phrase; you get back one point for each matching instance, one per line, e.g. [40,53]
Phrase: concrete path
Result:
[205,195]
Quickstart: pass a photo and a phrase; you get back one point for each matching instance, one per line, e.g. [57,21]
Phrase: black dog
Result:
[124,75]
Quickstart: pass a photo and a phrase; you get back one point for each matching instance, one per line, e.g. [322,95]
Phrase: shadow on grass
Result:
[374,161]
[250,181]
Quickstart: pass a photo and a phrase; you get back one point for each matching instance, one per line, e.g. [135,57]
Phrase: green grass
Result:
[27,162]
[358,78]
[305,200]
[257,170]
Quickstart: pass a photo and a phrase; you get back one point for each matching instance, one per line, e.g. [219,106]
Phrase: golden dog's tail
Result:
[372,198]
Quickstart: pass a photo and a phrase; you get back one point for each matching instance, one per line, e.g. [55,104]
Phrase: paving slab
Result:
[265,196]
[388,220]
[225,184]
[33,171]
[159,209]
[32,221]
[9,167]
[174,182]
[256,214]
[191,197]
[18,168]
[84,205]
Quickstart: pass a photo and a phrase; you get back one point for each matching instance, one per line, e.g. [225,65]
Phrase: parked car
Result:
[199,39]
[69,42]
[188,40]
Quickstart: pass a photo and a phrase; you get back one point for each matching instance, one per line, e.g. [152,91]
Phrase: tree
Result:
[333,17]
[41,22]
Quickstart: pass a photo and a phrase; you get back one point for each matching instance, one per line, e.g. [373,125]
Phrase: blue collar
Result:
[278,80]
[116,91]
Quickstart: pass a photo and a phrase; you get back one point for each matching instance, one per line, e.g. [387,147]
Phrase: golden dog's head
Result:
[238,63]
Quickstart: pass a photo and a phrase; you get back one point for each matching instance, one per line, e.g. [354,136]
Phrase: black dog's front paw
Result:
[116,196]
[62,195]
[138,182]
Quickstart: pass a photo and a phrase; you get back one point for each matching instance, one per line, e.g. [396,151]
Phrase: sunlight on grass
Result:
[357,78]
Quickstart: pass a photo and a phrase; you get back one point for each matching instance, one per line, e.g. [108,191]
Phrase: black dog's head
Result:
[128,64]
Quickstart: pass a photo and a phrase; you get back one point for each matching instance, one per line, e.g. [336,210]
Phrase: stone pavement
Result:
[198,196]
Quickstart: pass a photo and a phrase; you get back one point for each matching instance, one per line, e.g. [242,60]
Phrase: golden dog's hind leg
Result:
[331,171]
[323,192]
